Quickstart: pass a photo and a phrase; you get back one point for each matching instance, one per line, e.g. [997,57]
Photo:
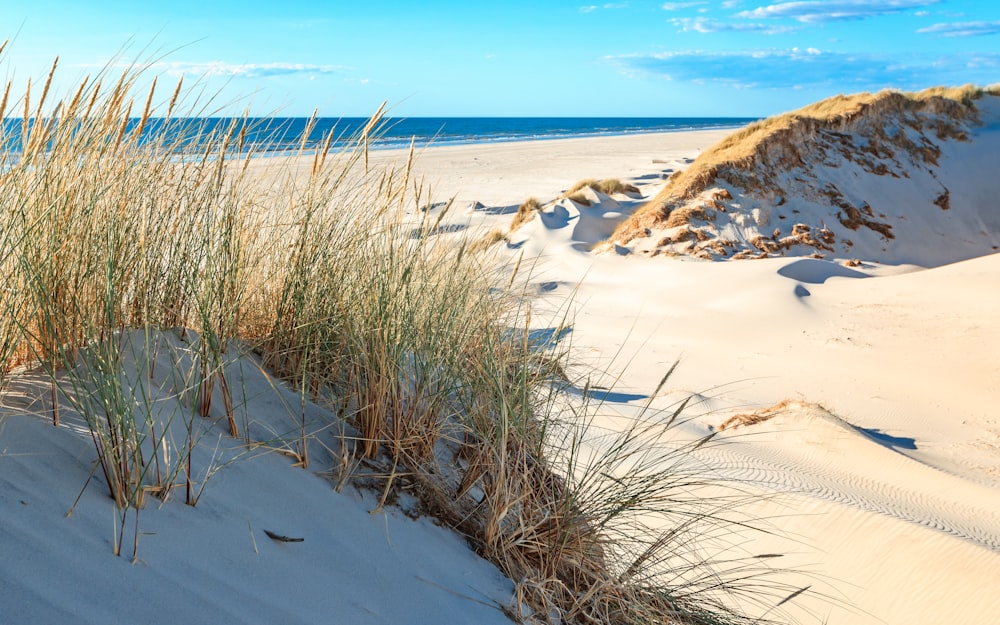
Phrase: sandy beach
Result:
[878,480]
[881,478]
[538,313]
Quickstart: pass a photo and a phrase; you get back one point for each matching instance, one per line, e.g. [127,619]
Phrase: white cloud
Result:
[243,70]
[594,7]
[836,10]
[706,25]
[677,6]
[811,68]
[962,29]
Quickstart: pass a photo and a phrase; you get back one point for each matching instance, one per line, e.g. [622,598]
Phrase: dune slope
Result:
[892,177]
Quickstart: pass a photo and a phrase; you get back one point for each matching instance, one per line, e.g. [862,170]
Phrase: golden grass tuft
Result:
[684,215]
[525,213]
[608,186]
[488,240]
[612,186]
[576,192]
[582,184]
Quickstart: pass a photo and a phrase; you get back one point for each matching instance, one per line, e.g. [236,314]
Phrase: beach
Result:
[877,477]
[880,478]
[676,313]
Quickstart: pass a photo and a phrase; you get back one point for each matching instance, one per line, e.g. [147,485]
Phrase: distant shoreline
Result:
[282,136]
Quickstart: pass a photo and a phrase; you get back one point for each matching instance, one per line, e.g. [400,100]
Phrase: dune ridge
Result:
[888,177]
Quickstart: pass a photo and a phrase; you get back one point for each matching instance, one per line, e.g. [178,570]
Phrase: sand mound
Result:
[890,177]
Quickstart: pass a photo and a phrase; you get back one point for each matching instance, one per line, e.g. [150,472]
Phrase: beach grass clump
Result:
[488,240]
[525,213]
[607,186]
[107,230]
[577,194]
[612,186]
[127,244]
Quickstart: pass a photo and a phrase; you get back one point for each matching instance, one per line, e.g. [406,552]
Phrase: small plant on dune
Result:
[488,240]
[525,213]
[576,192]
[611,186]
[608,186]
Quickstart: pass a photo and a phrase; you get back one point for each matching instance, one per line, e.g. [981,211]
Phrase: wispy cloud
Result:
[244,70]
[837,10]
[706,25]
[678,6]
[810,67]
[611,5]
[962,29]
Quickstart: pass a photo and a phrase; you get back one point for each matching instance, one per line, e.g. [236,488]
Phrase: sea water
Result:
[281,135]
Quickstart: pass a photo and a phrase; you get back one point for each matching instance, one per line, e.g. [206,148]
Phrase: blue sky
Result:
[515,58]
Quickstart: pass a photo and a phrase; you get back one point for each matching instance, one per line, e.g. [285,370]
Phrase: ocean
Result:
[285,134]
[398,132]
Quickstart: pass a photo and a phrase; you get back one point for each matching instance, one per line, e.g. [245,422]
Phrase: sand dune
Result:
[901,179]
[214,562]
[881,476]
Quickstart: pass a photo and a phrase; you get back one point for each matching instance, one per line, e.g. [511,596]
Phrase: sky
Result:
[744,58]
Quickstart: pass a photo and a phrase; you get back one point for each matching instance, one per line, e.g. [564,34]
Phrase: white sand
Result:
[889,503]
[212,563]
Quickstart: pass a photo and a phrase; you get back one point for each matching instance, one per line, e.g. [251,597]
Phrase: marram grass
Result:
[112,235]
[774,143]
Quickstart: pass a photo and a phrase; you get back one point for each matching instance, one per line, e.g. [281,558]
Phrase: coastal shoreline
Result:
[882,435]
[877,477]
[501,174]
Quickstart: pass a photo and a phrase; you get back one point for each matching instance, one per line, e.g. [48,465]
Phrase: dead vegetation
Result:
[745,419]
[943,200]
[854,217]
